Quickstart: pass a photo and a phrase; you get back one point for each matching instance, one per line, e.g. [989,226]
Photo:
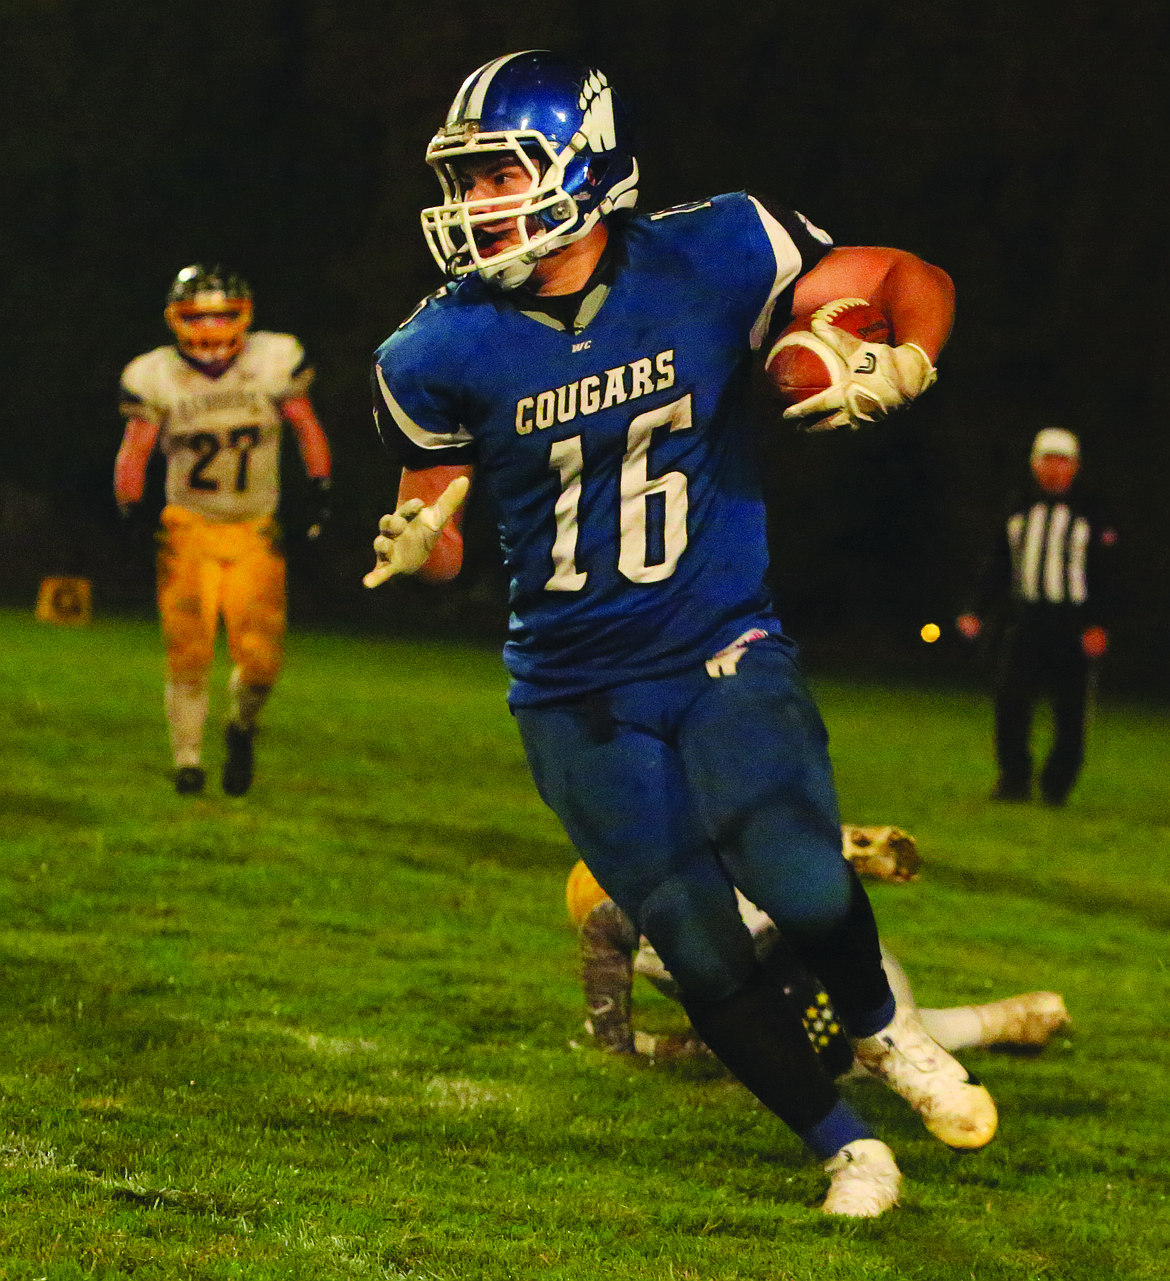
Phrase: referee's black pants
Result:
[1041,660]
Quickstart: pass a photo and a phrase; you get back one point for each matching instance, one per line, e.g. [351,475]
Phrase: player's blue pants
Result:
[675,791]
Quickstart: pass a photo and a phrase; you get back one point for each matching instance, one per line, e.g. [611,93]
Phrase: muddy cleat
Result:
[189,780]
[237,769]
[952,1104]
[1029,1019]
[865,1180]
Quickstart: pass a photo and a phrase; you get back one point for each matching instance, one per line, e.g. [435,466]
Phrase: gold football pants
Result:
[208,567]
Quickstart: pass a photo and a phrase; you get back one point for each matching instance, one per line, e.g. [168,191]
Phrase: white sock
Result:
[186,708]
[899,983]
[956,1028]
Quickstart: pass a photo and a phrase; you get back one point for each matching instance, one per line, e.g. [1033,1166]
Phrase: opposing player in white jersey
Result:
[613,952]
[214,404]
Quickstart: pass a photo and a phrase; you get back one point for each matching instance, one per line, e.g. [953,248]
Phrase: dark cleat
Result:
[237,769]
[189,780]
[1013,793]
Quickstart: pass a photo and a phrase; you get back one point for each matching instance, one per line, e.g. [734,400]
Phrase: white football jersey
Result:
[220,436]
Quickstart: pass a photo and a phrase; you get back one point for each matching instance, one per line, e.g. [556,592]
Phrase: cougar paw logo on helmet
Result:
[596,101]
[562,131]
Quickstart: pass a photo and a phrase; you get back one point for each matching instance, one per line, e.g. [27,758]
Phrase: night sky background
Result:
[1022,147]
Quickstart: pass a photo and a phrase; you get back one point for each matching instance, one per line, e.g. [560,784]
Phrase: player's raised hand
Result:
[872,379]
[408,535]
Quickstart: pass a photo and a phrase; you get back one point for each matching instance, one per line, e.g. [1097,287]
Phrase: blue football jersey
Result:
[619,452]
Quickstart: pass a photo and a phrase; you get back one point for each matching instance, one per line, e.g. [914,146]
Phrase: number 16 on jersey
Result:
[640,495]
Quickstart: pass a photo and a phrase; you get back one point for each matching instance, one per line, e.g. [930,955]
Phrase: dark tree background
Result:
[1021,147]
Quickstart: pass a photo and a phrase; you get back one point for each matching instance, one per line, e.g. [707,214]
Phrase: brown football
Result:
[799,372]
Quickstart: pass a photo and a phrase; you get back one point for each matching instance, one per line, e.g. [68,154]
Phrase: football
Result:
[802,368]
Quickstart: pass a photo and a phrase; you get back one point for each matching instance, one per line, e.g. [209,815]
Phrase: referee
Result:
[1050,576]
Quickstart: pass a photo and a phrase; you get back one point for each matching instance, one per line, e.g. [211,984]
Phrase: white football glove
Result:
[870,380]
[407,536]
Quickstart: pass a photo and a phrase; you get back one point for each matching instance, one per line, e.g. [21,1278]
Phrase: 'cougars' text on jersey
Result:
[619,452]
[594,392]
[221,436]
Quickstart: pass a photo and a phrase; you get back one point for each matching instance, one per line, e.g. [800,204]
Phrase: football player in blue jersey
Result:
[592,365]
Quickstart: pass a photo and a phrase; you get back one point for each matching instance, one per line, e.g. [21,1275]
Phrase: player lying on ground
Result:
[213,404]
[593,366]
[612,953]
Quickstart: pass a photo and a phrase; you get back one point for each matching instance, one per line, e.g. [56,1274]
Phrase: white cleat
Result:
[865,1180]
[954,1106]
[1029,1019]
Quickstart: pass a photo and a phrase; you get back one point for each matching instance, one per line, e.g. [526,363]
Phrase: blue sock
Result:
[873,1023]
[832,1132]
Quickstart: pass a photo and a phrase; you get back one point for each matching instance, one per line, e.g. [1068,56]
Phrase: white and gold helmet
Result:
[209,311]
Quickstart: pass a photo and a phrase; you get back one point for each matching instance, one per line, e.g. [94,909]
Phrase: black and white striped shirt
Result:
[1052,556]
[1049,545]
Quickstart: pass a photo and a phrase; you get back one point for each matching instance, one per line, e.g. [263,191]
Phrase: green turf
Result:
[324,1031]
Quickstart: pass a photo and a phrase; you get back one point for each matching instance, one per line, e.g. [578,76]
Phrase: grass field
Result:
[324,1031]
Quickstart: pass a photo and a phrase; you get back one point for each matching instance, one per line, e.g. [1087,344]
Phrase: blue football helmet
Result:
[560,122]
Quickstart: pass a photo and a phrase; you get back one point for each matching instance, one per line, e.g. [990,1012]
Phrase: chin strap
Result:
[508,277]
[511,275]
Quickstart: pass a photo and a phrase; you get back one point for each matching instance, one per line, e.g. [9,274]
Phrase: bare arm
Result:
[311,439]
[918,299]
[133,457]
